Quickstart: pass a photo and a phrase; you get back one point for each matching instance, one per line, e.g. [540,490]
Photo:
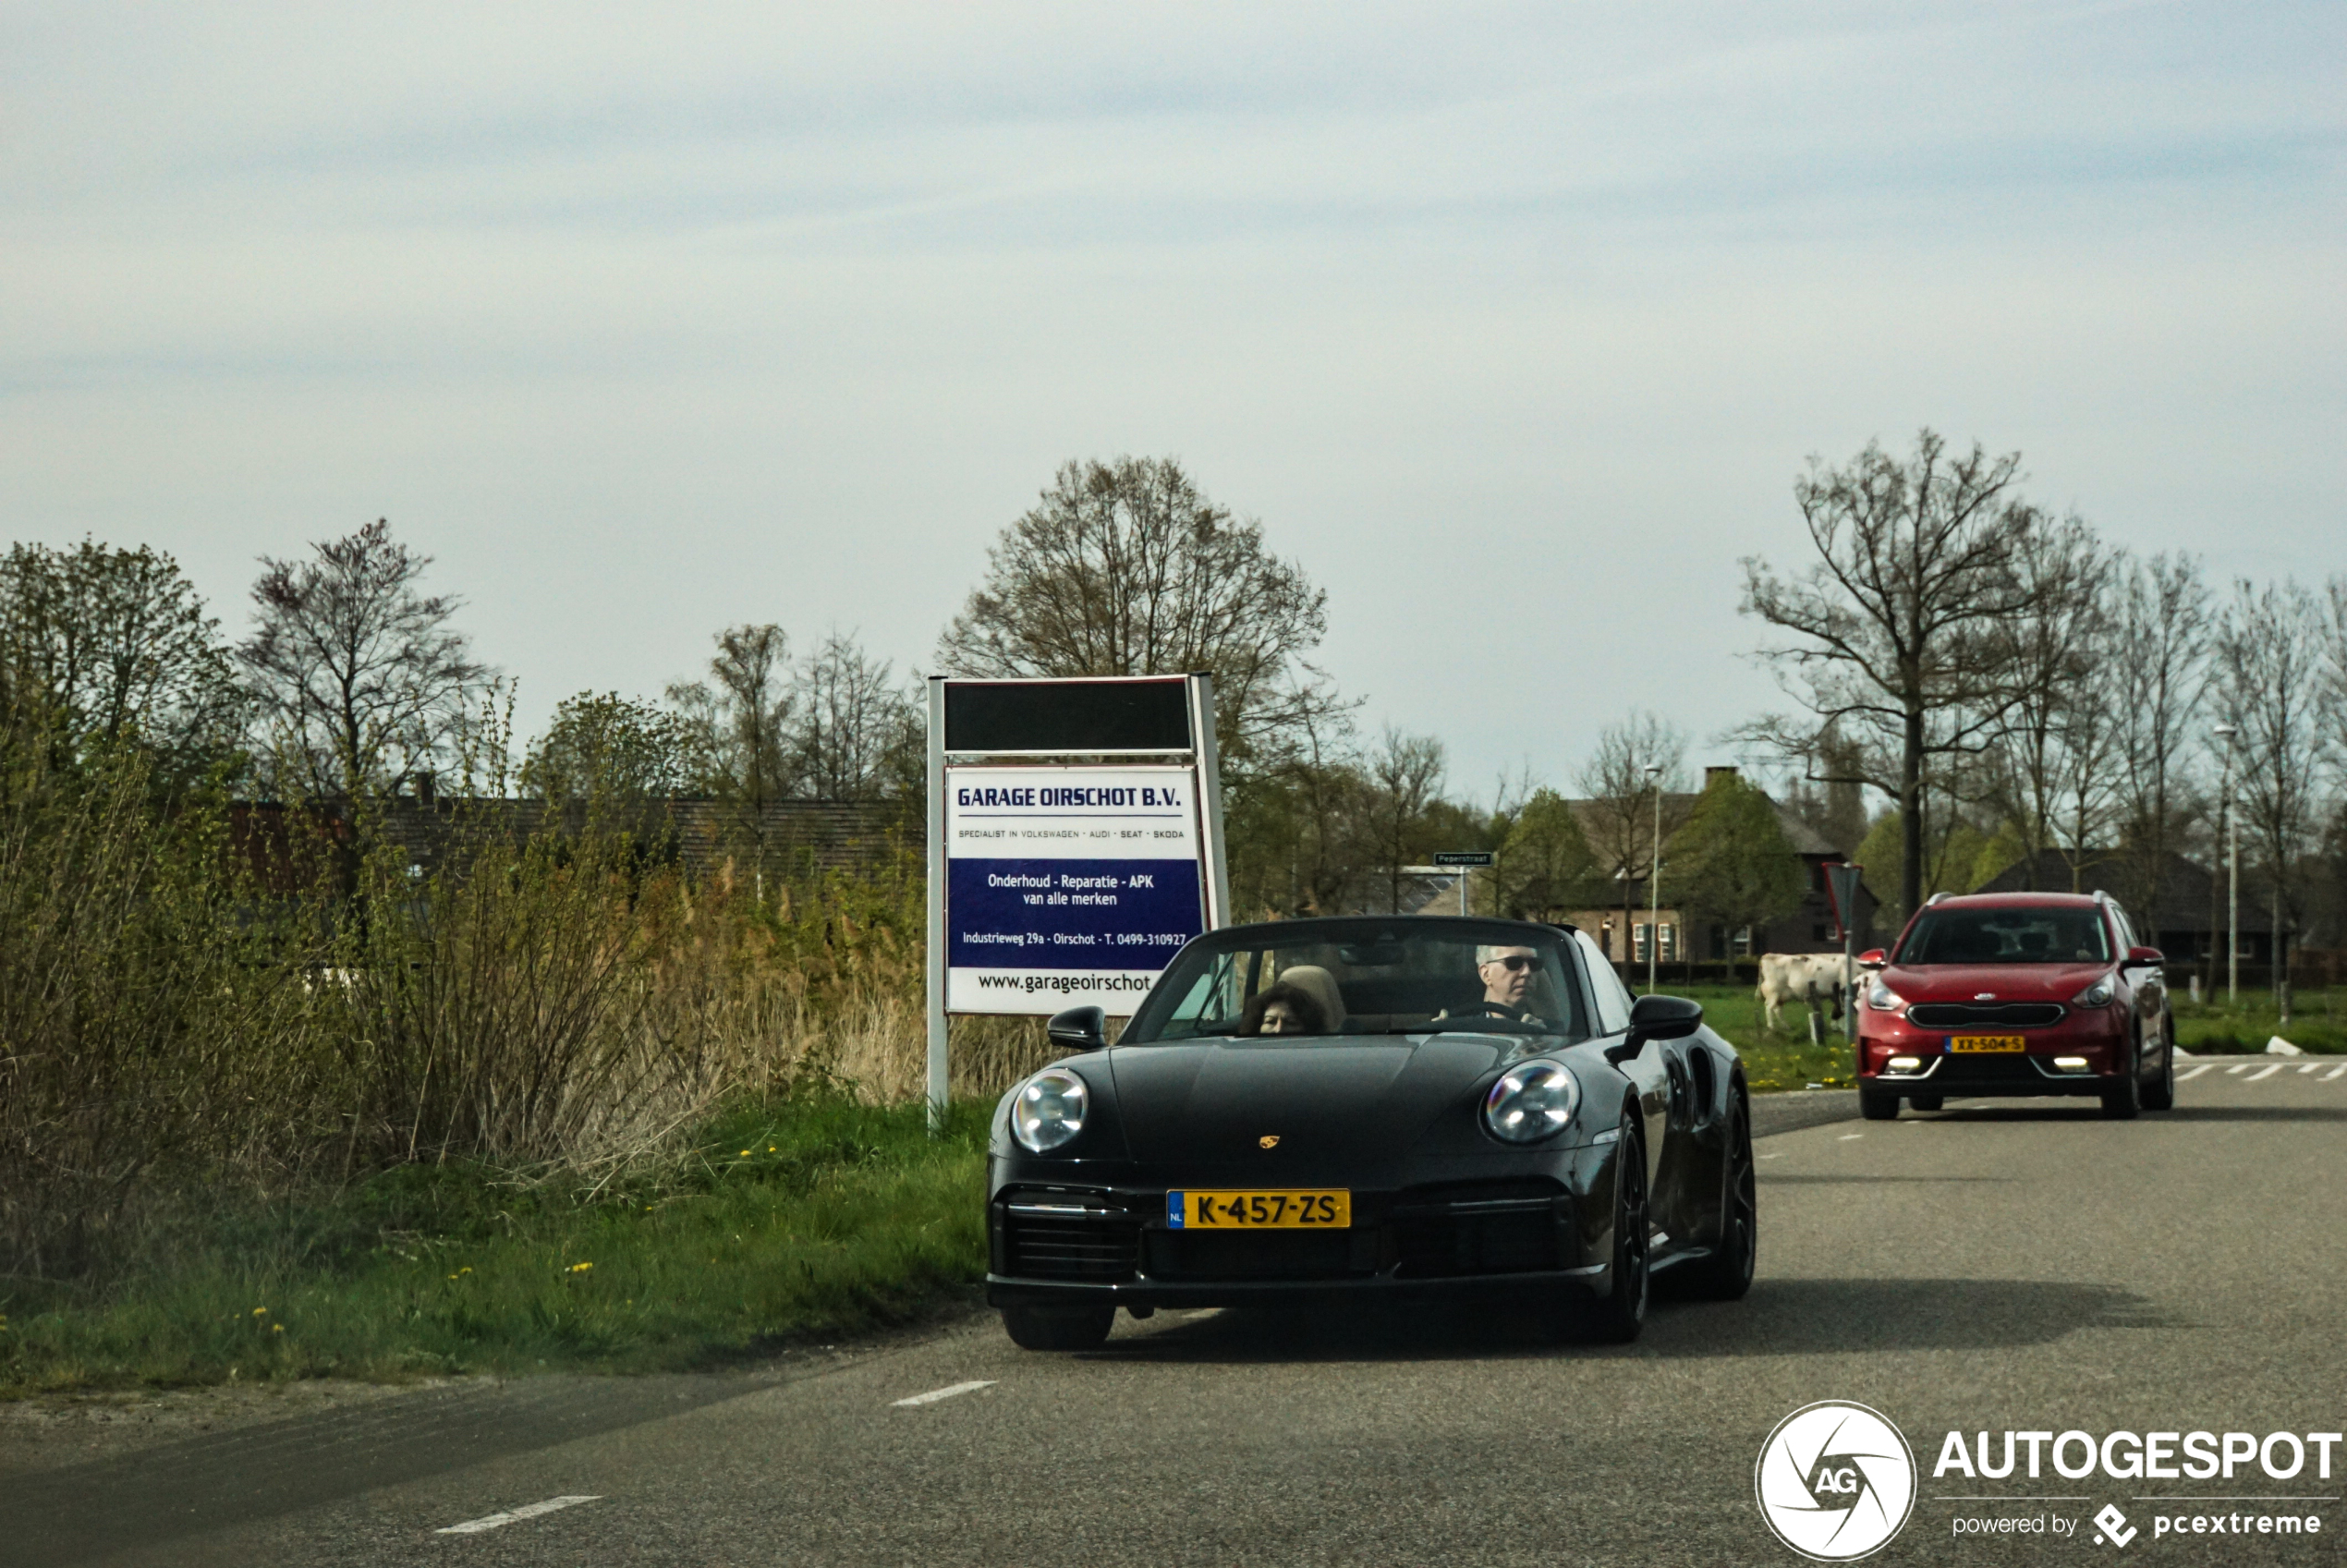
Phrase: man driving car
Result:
[1507,974]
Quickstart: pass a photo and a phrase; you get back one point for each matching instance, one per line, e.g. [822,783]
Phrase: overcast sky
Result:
[1513,324]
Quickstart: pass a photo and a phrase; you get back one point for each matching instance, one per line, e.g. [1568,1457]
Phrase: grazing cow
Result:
[1814,979]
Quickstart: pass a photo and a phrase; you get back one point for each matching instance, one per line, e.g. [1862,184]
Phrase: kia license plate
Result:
[1986,1042]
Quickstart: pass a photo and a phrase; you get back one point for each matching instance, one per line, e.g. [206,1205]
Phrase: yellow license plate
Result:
[1258,1209]
[1987,1042]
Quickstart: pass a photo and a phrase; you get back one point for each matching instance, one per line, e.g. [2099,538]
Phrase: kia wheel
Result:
[2123,1100]
[2160,1095]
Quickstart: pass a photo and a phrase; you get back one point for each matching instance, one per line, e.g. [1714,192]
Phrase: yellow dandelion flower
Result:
[745,1153]
[466,1269]
[259,1311]
[770,1148]
[276,1327]
[581,1267]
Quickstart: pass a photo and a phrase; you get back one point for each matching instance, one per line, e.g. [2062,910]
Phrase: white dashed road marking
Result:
[2333,1073]
[935,1394]
[528,1511]
[1847,1136]
[2187,1077]
[2310,1066]
[2267,1073]
[2242,1068]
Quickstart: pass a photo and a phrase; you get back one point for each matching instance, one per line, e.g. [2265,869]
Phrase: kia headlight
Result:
[1049,1110]
[1882,998]
[1531,1101]
[2095,995]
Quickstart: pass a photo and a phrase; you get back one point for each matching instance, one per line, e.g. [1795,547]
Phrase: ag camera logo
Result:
[1835,1481]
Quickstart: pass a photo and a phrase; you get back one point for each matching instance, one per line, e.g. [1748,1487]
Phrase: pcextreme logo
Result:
[1835,1481]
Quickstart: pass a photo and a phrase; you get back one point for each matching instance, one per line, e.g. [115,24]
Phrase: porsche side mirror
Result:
[1656,1017]
[1079,1028]
[2145,958]
[1871,958]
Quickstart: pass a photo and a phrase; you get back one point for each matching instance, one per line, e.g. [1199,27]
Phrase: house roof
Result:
[1806,840]
[2184,899]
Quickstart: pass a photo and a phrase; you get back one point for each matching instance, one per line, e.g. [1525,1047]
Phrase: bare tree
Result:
[1404,778]
[1634,762]
[1125,568]
[851,718]
[1899,624]
[356,672]
[2048,768]
[102,646]
[2269,670]
[739,718]
[2157,662]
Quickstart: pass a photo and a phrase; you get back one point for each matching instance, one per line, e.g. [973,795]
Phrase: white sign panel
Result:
[1065,886]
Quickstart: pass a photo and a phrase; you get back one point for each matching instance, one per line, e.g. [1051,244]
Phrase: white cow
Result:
[1817,978]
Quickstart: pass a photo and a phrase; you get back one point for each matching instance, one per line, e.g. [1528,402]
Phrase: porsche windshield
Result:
[1324,977]
[2006,936]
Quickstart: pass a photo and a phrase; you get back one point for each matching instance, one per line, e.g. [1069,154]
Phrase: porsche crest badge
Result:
[1269,1140]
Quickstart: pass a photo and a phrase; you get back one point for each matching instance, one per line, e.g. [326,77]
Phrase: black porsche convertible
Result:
[1323,1110]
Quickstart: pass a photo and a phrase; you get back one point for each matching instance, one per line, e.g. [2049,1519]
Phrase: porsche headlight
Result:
[1049,1110]
[1882,998]
[2095,995]
[1531,1101]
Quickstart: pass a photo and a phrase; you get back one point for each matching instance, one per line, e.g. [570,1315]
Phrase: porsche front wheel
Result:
[1058,1328]
[1727,1273]
[1617,1315]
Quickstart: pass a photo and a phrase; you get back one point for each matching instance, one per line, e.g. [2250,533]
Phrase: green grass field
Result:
[1784,1060]
[786,1222]
[2318,1023]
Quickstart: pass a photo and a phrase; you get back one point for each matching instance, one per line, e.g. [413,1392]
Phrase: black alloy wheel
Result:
[1726,1275]
[1616,1317]
[1058,1328]
[2125,1100]
[2160,1094]
[1877,1105]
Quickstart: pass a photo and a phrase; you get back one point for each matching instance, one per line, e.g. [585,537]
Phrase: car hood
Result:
[1213,1100]
[2006,982]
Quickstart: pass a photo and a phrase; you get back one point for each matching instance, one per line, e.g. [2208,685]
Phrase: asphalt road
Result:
[2000,1266]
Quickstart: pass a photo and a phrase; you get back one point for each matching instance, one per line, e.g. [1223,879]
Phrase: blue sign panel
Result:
[1070,914]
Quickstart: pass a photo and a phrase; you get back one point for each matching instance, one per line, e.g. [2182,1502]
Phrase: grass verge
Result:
[789,1220]
[2318,1023]
[1772,1061]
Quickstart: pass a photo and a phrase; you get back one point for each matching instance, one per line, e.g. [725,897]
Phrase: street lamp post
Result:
[1654,879]
[2228,829]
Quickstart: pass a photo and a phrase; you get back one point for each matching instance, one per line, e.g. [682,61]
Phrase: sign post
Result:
[1841,887]
[1464,861]
[1074,844]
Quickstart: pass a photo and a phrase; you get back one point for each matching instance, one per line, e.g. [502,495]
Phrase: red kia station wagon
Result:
[2015,993]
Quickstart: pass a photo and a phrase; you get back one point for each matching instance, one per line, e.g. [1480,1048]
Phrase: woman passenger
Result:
[1281,1010]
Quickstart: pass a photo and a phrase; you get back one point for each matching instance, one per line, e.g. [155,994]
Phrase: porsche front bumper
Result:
[1071,1245]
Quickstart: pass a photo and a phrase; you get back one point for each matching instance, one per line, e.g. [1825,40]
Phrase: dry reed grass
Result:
[563,1006]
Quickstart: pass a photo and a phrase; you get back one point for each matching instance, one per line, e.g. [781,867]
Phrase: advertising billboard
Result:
[1068,885]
